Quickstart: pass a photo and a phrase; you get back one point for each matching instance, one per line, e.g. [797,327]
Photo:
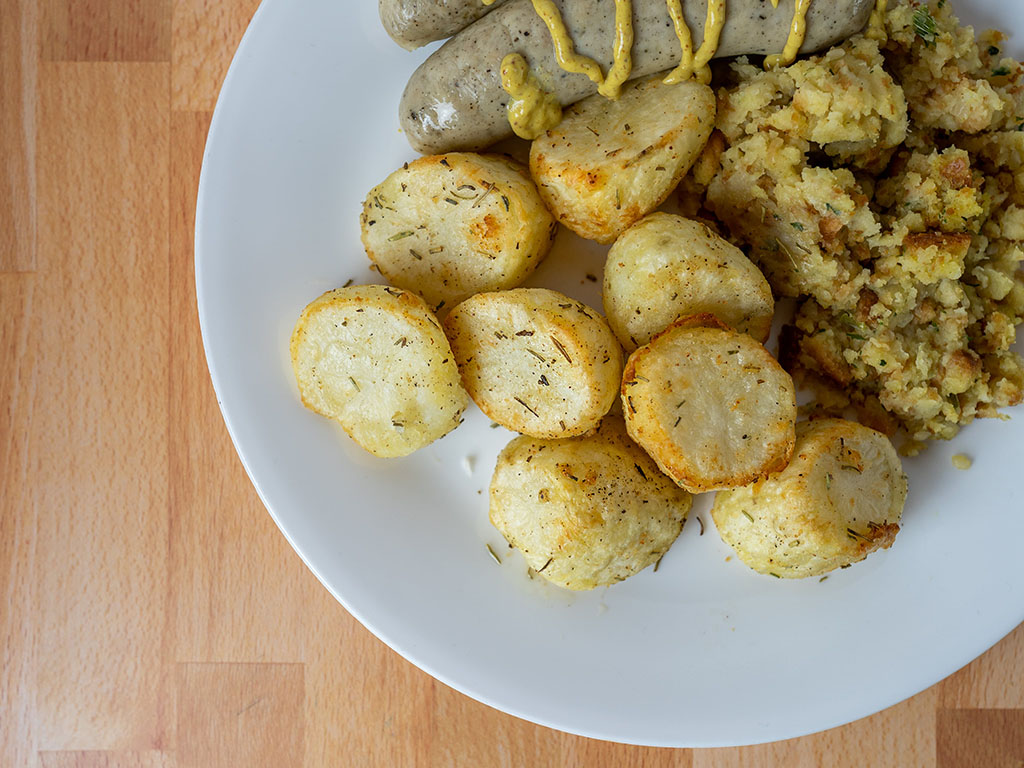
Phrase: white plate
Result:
[704,652]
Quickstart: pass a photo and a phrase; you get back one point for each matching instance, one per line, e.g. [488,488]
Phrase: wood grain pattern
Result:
[994,680]
[240,714]
[205,35]
[99,406]
[151,616]
[96,759]
[18,67]
[381,723]
[105,30]
[17,525]
[227,556]
[965,738]
[903,735]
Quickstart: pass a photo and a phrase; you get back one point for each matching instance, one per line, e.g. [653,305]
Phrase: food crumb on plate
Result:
[962,461]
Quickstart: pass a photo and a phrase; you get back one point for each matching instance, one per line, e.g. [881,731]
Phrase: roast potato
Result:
[665,266]
[711,405]
[536,361]
[840,498]
[586,511]
[449,226]
[374,359]
[609,163]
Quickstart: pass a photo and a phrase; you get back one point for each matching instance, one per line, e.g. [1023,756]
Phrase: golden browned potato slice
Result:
[587,511]
[609,163]
[449,226]
[665,266]
[535,360]
[840,499]
[711,405]
[374,359]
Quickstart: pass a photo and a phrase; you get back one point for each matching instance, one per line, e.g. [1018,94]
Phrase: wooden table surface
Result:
[150,612]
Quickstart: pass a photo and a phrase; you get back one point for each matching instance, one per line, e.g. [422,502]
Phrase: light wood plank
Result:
[105,30]
[901,736]
[229,562]
[980,738]
[233,715]
[363,701]
[994,680]
[466,732]
[394,714]
[204,37]
[105,760]
[99,430]
[18,65]
[17,526]
[579,752]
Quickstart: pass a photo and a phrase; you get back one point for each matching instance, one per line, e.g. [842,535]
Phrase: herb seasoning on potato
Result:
[839,499]
[587,511]
[374,359]
[536,361]
[609,164]
[711,405]
[665,266]
[449,226]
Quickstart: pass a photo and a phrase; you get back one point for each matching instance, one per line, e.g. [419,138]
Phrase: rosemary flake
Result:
[487,190]
[537,355]
[561,349]
[518,400]
[494,554]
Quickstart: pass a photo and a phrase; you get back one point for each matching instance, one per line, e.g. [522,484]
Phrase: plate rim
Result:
[908,690]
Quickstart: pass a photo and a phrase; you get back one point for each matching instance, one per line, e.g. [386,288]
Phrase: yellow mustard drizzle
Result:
[696,64]
[685,69]
[876,24]
[797,30]
[531,109]
[565,51]
[489,2]
[712,32]
[622,61]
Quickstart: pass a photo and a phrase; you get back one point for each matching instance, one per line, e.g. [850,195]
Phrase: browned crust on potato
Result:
[657,441]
